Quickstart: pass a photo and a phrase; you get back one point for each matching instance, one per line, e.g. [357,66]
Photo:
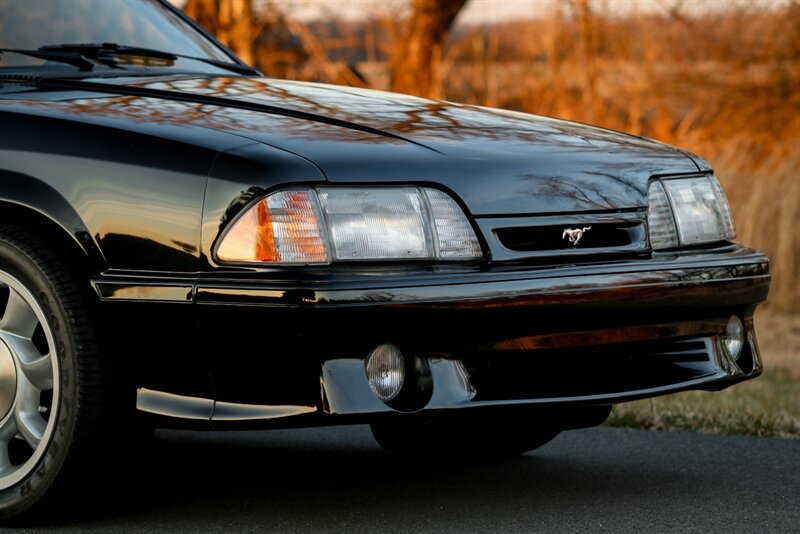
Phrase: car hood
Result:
[498,162]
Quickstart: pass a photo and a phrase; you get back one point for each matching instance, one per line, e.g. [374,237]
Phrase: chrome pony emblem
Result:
[574,235]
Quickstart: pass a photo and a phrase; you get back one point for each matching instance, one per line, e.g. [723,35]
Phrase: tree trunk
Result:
[232,21]
[586,58]
[416,57]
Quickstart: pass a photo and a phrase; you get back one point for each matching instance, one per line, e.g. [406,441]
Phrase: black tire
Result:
[460,436]
[64,297]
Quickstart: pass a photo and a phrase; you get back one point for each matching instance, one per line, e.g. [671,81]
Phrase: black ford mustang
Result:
[185,243]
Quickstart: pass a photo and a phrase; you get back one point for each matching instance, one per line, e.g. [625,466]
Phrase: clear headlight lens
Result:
[317,226]
[688,211]
[376,223]
[660,221]
[455,238]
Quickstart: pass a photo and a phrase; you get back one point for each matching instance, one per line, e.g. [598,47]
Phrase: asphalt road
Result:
[337,479]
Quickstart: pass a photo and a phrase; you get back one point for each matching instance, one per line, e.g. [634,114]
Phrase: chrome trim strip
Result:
[230,411]
[185,407]
[171,405]
[180,293]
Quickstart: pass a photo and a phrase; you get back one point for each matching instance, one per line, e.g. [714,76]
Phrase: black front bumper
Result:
[583,334]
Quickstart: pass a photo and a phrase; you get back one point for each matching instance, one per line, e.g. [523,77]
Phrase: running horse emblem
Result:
[574,235]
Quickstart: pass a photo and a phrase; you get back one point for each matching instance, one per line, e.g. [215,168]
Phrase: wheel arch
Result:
[32,204]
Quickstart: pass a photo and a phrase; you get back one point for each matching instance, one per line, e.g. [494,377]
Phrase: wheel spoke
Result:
[38,368]
[19,317]
[39,372]
[31,426]
[5,461]
[8,430]
[29,421]
[23,347]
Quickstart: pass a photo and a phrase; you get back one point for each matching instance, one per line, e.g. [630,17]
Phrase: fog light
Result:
[385,371]
[733,339]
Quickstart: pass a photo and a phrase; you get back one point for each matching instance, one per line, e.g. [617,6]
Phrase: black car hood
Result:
[497,162]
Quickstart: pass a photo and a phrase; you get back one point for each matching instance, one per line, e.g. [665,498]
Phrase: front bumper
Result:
[583,334]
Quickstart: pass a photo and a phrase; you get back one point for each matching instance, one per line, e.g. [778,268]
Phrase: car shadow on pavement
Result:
[341,475]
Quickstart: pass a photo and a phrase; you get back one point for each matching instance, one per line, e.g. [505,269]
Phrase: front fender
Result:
[30,193]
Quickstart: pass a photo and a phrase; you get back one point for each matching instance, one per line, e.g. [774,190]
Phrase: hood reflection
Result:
[497,162]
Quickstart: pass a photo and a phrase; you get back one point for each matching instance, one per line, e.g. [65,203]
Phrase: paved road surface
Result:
[337,479]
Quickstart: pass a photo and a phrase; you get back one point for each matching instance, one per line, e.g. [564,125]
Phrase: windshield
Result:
[31,24]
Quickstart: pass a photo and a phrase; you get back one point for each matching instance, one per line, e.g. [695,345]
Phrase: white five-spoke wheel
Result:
[29,381]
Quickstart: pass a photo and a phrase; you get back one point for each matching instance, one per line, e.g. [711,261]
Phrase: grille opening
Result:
[543,238]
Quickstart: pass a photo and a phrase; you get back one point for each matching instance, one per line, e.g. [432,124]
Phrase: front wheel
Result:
[50,376]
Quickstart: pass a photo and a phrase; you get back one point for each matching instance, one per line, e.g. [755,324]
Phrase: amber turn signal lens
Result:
[265,237]
[285,227]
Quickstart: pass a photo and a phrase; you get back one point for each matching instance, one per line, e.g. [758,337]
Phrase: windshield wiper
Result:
[86,55]
[104,53]
[70,58]
[238,68]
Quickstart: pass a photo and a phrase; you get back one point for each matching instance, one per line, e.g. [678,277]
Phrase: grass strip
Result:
[766,406]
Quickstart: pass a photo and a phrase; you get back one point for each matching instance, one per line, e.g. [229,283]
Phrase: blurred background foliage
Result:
[720,78]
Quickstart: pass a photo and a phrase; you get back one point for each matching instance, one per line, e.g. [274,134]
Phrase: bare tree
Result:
[586,57]
[233,22]
[417,55]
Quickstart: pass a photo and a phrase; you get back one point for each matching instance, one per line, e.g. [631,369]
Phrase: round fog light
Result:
[733,339]
[385,371]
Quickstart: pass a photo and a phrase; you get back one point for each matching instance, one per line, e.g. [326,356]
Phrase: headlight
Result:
[688,211]
[324,224]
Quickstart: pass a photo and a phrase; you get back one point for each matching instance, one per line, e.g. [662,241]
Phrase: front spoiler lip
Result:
[352,400]
[734,277]
[352,395]
[346,393]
